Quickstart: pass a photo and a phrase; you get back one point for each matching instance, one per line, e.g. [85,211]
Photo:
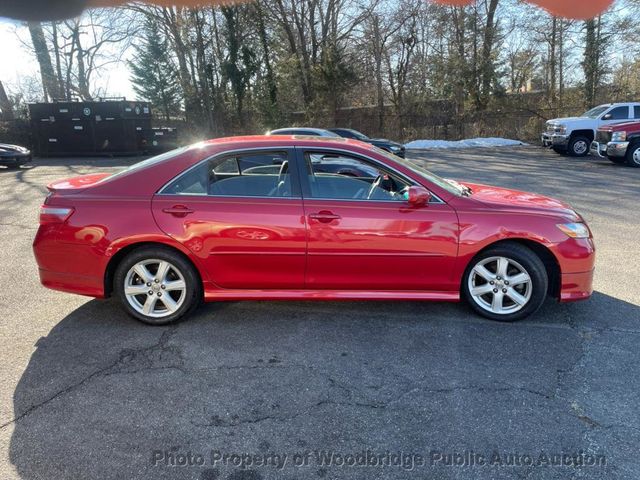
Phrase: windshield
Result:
[450,186]
[148,162]
[595,112]
[358,135]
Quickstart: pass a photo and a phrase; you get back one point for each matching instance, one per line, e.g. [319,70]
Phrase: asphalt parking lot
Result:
[88,393]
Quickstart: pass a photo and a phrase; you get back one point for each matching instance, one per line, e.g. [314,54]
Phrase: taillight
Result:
[49,214]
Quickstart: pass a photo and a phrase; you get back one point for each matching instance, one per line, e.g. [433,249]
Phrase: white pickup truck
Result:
[573,135]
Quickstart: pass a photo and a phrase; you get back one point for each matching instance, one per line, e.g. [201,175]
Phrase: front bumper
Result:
[576,286]
[598,149]
[555,140]
[611,149]
[14,160]
[617,149]
[576,258]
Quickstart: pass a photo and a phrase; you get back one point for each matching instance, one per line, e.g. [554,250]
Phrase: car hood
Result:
[518,200]
[633,126]
[6,147]
[572,120]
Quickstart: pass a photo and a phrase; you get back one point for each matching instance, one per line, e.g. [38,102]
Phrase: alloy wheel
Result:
[500,285]
[155,288]
[636,156]
[580,147]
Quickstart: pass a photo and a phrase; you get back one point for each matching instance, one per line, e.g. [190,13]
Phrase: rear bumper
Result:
[576,286]
[72,283]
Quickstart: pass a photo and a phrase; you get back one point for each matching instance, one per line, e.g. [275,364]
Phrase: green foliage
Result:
[154,76]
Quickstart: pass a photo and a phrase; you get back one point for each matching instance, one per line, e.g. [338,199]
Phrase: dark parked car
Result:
[382,143]
[314,132]
[13,155]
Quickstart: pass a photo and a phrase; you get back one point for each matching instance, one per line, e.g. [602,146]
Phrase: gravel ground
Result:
[259,390]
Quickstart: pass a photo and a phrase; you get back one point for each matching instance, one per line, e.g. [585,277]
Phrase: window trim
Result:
[306,188]
[289,150]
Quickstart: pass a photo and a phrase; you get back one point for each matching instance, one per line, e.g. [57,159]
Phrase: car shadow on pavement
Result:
[103,394]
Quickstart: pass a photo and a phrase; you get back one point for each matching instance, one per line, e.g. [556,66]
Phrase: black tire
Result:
[179,266]
[633,155]
[579,146]
[522,257]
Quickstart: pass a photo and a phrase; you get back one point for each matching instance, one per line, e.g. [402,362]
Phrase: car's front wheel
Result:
[507,282]
[579,146]
[633,155]
[157,285]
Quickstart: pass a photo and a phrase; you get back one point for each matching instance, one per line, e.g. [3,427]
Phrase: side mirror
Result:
[418,196]
[608,116]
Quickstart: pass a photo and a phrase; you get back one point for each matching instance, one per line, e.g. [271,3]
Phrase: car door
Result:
[242,215]
[362,232]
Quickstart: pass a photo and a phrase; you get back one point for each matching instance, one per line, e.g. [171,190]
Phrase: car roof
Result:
[618,104]
[319,131]
[266,141]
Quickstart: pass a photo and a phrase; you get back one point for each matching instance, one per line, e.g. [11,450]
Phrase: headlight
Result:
[575,230]
[561,129]
[619,136]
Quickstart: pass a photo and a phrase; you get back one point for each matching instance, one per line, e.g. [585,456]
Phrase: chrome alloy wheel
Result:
[155,288]
[636,156]
[500,285]
[580,147]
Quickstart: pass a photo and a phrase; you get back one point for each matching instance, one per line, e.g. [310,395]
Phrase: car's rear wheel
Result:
[157,286]
[506,283]
[579,146]
[633,155]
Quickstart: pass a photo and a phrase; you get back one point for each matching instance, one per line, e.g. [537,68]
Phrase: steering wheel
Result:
[375,185]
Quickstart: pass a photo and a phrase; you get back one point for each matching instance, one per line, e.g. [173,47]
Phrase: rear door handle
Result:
[324,216]
[178,211]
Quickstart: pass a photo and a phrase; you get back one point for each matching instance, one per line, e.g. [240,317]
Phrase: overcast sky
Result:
[18,63]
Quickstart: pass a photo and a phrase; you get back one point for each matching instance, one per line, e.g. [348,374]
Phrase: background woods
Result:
[402,69]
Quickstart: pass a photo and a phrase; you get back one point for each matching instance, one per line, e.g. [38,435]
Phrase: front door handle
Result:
[178,210]
[324,216]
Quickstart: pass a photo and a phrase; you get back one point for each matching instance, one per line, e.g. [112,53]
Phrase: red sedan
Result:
[256,218]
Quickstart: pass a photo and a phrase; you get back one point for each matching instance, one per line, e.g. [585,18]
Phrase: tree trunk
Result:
[50,84]
[377,48]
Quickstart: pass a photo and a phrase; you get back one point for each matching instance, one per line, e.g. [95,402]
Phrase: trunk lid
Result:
[76,184]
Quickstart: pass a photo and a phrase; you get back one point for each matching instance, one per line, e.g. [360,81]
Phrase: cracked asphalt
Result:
[258,390]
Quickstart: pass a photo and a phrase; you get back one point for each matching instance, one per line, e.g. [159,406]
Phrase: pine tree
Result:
[154,77]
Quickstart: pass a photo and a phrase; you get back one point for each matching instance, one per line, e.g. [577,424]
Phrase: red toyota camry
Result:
[275,217]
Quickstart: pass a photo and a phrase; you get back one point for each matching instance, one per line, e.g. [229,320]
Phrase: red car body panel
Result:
[275,248]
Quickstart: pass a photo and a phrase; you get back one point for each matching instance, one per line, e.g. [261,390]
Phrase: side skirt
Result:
[211,295]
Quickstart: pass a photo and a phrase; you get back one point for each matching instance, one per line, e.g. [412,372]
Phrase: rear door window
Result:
[255,174]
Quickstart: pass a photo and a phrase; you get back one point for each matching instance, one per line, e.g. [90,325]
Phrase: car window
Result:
[264,174]
[342,177]
[595,112]
[636,112]
[344,133]
[295,132]
[619,113]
